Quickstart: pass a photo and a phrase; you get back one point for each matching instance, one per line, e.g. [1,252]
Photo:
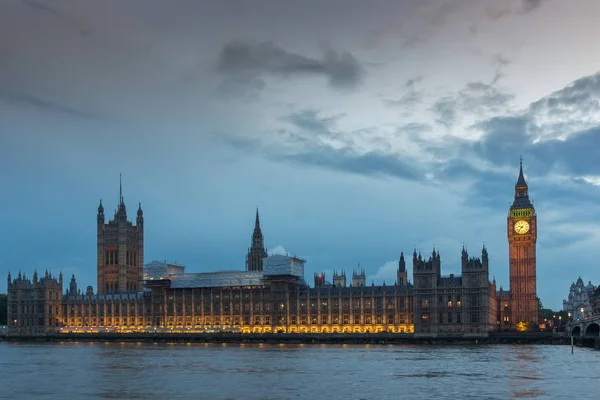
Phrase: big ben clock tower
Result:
[522,237]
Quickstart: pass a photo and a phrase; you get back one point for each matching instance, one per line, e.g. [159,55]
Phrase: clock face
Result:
[521,227]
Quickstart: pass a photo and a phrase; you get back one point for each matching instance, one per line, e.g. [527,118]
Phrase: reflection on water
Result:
[232,371]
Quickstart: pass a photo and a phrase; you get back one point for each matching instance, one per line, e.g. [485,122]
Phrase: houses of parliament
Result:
[272,295]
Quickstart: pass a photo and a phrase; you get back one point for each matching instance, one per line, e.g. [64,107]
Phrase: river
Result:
[212,371]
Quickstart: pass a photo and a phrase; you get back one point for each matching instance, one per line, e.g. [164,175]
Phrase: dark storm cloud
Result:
[22,99]
[243,57]
[45,8]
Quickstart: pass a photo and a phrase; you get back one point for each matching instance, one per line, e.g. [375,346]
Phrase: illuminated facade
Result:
[522,238]
[270,295]
[120,250]
[273,300]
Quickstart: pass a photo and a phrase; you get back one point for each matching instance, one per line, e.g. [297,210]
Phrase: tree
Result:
[3,309]
[526,326]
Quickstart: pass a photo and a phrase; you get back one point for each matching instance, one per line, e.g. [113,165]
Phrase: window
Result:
[458,318]
[449,317]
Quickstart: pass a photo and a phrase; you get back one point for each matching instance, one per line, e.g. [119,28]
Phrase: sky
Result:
[359,129]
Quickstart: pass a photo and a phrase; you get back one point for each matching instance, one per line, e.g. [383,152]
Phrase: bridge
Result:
[587,328]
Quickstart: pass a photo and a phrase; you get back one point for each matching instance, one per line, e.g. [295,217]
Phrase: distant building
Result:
[596,301]
[580,303]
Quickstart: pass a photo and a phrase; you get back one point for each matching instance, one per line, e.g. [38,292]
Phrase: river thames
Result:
[237,371]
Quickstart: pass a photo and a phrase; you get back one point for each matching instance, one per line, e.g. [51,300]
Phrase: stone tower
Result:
[339,279]
[359,278]
[522,237]
[426,275]
[476,290]
[402,278]
[256,253]
[320,279]
[120,250]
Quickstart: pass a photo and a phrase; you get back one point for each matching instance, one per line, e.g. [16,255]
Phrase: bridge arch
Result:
[576,331]
[592,330]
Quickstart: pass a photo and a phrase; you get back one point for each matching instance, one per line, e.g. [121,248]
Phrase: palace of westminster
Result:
[271,295]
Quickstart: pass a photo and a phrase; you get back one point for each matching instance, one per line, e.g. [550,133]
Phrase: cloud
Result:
[569,110]
[409,99]
[515,7]
[245,87]
[318,143]
[387,273]
[346,160]
[11,97]
[444,110]
[278,250]
[253,60]
[476,98]
[45,8]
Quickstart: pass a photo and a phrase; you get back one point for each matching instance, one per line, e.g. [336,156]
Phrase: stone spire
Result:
[256,253]
[521,180]
[521,191]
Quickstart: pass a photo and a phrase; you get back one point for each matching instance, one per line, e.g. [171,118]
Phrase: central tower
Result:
[522,238]
[120,250]
[256,253]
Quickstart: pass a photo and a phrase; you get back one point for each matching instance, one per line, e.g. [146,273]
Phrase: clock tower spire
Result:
[522,238]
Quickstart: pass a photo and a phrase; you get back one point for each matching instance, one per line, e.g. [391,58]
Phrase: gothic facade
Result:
[271,295]
[34,305]
[522,238]
[462,304]
[120,250]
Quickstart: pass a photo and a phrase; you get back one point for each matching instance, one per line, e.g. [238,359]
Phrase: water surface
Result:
[214,371]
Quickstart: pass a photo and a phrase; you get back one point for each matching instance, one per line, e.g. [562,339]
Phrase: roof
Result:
[521,179]
[217,279]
